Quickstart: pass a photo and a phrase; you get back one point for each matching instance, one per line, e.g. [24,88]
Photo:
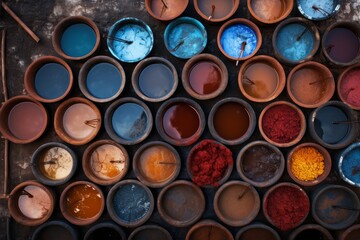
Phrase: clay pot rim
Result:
[151,12]
[208,223]
[30,73]
[327,164]
[352,127]
[106,224]
[251,115]
[341,159]
[305,227]
[339,85]
[88,170]
[124,21]
[272,180]
[14,208]
[143,179]
[147,227]
[182,142]
[141,66]
[289,8]
[340,225]
[36,156]
[245,22]
[88,65]
[254,226]
[284,184]
[353,26]
[336,9]
[302,124]
[113,215]
[226,174]
[246,220]
[315,32]
[60,223]
[108,121]
[66,22]
[171,220]
[271,62]
[216,20]
[58,120]
[205,57]
[330,83]
[348,231]
[8,106]
[188,20]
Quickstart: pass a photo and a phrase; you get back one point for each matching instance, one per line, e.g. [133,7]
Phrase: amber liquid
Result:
[222,7]
[204,232]
[205,77]
[268,10]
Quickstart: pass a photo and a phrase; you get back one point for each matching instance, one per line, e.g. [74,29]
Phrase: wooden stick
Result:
[20,22]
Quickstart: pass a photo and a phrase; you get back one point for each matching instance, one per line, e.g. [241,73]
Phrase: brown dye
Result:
[150,234]
[205,77]
[209,232]
[257,234]
[268,10]
[35,204]
[222,8]
[26,120]
[231,120]
[171,10]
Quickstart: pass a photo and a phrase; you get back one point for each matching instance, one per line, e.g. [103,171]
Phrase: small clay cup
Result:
[337,5]
[140,175]
[140,67]
[205,57]
[202,229]
[29,77]
[325,233]
[302,123]
[89,171]
[270,61]
[176,10]
[15,211]
[240,169]
[150,231]
[320,178]
[341,158]
[37,157]
[216,20]
[4,124]
[65,211]
[287,10]
[352,233]
[173,200]
[61,27]
[221,213]
[340,83]
[105,225]
[58,121]
[47,229]
[239,21]
[87,67]
[258,227]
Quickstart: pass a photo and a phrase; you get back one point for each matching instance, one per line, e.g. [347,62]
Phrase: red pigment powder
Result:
[281,123]
[350,87]
[287,207]
[208,162]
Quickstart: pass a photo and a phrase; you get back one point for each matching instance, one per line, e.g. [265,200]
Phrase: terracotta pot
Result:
[110,227]
[330,13]
[213,19]
[285,6]
[150,231]
[172,10]
[258,228]
[59,229]
[326,235]
[188,67]
[340,82]
[352,233]
[201,231]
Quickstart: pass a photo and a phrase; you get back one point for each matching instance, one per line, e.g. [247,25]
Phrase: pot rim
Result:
[339,82]
[151,12]
[217,20]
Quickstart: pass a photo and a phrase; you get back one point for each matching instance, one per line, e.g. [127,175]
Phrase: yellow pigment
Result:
[307,163]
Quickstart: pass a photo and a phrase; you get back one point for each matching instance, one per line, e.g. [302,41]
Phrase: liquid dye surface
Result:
[156,80]
[150,234]
[173,9]
[350,87]
[231,120]
[258,233]
[78,40]
[54,232]
[312,234]
[103,80]
[56,163]
[322,9]
[205,77]
[180,121]
[351,165]
[203,233]
[326,127]
[26,120]
[51,81]
[342,45]
[105,233]
[293,43]
[269,10]
[37,206]
[130,121]
[222,8]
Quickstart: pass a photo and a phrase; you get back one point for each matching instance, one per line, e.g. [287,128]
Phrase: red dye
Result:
[208,163]
[287,207]
[350,87]
[281,123]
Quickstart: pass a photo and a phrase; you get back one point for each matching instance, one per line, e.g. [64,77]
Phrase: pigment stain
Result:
[205,77]
[269,10]
[222,8]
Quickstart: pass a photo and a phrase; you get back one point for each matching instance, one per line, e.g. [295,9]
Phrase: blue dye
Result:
[52,80]
[326,129]
[351,165]
[327,5]
[103,80]
[78,40]
[233,37]
[291,48]
[129,121]
[131,202]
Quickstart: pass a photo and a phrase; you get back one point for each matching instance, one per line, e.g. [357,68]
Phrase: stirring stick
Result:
[243,193]
[315,82]
[170,163]
[178,45]
[24,192]
[249,80]
[212,12]
[48,162]
[92,123]
[346,122]
[117,161]
[347,208]
[320,10]
[164,4]
[119,39]
[302,33]
[242,49]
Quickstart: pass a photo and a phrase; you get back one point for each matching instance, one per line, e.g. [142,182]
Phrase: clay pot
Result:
[189,67]
[342,157]
[59,228]
[270,61]
[175,9]
[326,235]
[65,23]
[150,232]
[329,14]
[202,229]
[212,19]
[352,233]
[7,108]
[96,230]
[286,10]
[258,230]
[30,74]
[340,83]
[181,203]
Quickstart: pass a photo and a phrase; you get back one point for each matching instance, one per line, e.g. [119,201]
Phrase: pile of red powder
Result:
[350,87]
[281,123]
[209,161]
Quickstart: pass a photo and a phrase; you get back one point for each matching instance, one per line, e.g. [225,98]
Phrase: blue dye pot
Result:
[349,164]
[318,10]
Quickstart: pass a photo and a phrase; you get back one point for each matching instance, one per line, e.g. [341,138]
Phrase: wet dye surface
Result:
[37,206]
[56,163]
[105,233]
[222,8]
[326,7]
[351,165]
[269,10]
[204,232]
[205,77]
[173,8]
[54,232]
[350,87]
